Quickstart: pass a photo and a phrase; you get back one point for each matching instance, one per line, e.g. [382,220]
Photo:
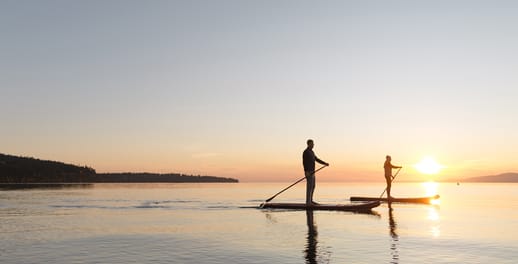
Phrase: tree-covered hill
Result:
[14,169]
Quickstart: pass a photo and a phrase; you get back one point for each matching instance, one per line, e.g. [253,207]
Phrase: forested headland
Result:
[16,170]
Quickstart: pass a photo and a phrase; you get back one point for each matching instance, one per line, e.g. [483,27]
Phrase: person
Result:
[308,160]
[388,173]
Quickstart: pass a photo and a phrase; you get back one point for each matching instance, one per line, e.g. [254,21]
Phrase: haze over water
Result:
[214,223]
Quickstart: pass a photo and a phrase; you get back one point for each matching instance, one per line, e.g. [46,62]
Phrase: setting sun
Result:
[428,166]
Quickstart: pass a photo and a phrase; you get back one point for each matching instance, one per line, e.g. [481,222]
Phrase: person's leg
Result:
[310,186]
[389,185]
[313,188]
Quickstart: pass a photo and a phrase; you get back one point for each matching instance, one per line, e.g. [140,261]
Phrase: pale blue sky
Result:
[234,88]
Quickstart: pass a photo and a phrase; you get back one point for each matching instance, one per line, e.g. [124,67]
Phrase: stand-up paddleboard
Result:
[354,207]
[425,200]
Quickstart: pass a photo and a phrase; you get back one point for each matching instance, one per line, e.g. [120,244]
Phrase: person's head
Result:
[310,143]
[388,157]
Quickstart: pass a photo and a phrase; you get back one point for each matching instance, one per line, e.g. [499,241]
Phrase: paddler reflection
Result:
[311,245]
[393,234]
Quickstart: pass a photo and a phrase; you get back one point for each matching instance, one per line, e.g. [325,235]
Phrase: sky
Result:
[235,88]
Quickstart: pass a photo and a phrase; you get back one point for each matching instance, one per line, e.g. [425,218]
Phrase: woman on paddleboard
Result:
[388,173]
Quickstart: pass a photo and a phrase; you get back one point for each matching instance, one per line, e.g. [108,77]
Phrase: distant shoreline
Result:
[509,177]
[27,170]
[23,186]
[145,177]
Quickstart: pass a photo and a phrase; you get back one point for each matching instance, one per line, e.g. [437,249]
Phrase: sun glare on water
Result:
[428,165]
[431,189]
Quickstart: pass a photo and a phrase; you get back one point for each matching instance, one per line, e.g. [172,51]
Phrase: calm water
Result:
[206,223]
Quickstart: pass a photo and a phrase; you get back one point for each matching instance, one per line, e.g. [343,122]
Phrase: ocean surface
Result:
[219,223]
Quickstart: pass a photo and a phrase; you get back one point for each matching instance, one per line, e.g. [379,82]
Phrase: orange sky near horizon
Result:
[282,164]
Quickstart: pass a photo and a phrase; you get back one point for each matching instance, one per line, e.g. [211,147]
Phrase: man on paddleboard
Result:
[388,173]
[308,160]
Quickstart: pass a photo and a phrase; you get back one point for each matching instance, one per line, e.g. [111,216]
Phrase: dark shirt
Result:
[308,160]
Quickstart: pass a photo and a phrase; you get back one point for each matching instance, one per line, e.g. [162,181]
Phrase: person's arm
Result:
[321,161]
[395,167]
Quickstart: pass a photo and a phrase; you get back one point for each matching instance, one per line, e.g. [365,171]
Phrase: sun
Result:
[428,165]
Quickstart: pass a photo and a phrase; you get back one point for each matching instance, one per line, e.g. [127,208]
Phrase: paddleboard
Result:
[353,207]
[425,200]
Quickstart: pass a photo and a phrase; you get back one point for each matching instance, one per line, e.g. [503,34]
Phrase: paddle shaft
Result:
[271,198]
[390,182]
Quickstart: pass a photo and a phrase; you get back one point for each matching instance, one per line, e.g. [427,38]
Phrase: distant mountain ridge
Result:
[15,170]
[504,177]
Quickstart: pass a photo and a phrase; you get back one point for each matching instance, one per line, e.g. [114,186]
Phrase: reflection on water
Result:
[311,245]
[393,234]
[431,188]
[21,186]
[433,218]
[314,253]
[433,215]
[215,224]
[270,217]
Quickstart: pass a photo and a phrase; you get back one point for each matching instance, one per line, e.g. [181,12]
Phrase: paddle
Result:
[390,182]
[271,198]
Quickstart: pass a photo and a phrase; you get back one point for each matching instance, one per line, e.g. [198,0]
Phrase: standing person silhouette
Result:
[308,160]
[388,173]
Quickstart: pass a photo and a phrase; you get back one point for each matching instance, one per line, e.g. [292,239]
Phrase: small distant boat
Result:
[353,207]
[425,200]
